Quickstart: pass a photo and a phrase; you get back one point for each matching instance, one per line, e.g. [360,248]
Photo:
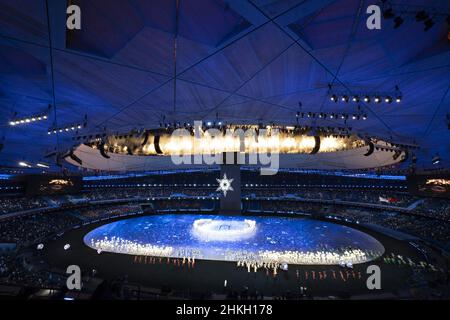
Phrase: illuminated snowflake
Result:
[224,185]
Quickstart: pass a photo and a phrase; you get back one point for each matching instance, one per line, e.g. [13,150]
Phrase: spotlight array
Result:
[367,97]
[25,164]
[322,115]
[335,132]
[69,128]
[28,120]
[189,126]
[15,121]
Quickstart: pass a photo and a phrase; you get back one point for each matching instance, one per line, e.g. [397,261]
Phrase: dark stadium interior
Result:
[301,146]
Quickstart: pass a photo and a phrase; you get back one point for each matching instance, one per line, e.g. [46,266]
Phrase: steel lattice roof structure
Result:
[237,61]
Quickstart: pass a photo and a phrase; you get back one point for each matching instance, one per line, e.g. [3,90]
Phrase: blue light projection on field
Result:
[278,240]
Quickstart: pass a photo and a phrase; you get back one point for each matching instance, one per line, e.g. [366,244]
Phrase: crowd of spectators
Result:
[4,268]
[138,193]
[13,271]
[24,203]
[415,221]
[28,229]
[34,228]
[14,204]
[353,195]
[422,227]
[184,204]
[98,212]
[436,208]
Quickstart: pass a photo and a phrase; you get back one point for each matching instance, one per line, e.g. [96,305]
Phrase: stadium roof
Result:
[237,61]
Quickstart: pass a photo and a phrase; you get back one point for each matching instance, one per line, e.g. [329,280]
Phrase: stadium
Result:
[224,150]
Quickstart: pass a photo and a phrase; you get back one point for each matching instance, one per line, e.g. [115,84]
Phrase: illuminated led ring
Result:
[223,230]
